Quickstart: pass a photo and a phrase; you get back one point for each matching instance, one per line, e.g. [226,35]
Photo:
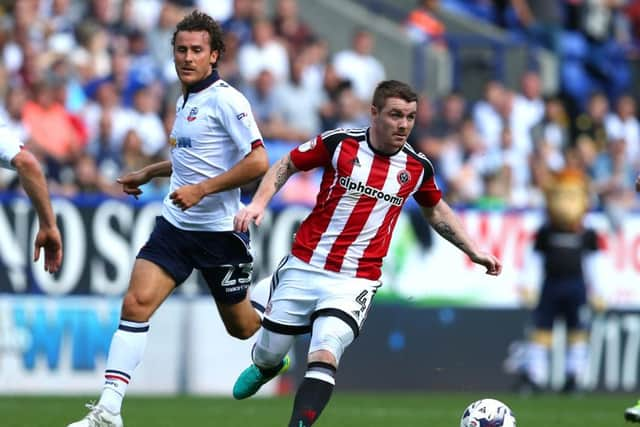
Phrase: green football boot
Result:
[252,378]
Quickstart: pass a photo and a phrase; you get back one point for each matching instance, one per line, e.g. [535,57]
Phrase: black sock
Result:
[270,372]
[311,398]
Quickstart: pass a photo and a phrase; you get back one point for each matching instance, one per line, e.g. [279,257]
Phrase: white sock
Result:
[125,354]
[259,294]
[538,364]
[577,359]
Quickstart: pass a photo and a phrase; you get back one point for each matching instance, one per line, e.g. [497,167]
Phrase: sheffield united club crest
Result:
[403,177]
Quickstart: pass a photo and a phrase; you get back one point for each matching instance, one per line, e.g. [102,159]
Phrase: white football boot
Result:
[99,417]
[633,414]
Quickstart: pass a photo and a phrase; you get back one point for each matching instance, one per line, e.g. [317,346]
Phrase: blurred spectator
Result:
[264,103]
[422,24]
[315,54]
[511,164]
[108,157]
[133,157]
[59,87]
[623,124]
[527,110]
[145,14]
[228,66]
[93,54]
[70,92]
[451,117]
[496,190]
[550,138]
[542,20]
[332,84]
[240,21]
[143,68]
[50,126]
[463,165]
[264,53]
[350,112]
[359,66]
[598,17]
[487,113]
[297,105]
[425,137]
[33,66]
[632,12]
[290,27]
[102,58]
[121,119]
[87,179]
[159,37]
[613,177]
[59,25]
[590,124]
[147,122]
[261,97]
[105,13]
[125,78]
[220,10]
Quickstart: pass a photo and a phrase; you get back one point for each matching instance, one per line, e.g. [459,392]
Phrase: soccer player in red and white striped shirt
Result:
[326,285]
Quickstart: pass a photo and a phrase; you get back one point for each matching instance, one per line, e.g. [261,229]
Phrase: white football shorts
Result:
[301,293]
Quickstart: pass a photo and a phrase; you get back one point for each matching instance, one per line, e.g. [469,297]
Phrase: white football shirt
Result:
[214,129]
[10,146]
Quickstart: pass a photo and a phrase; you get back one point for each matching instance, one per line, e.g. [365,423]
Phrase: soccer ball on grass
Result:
[487,413]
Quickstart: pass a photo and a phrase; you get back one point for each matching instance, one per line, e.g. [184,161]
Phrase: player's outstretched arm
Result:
[132,181]
[272,182]
[34,183]
[444,220]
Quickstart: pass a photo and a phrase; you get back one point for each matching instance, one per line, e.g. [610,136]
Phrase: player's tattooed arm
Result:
[273,180]
[446,223]
[446,231]
[284,170]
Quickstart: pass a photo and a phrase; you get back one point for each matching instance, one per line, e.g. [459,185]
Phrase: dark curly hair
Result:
[198,21]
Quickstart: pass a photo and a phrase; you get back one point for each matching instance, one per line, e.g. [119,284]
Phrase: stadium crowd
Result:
[91,87]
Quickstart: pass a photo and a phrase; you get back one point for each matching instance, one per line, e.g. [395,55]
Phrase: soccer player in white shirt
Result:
[216,147]
[13,156]
[328,282]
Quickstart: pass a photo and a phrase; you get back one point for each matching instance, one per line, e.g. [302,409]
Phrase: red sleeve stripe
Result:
[257,143]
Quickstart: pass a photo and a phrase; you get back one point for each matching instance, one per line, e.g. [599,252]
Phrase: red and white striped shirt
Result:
[362,192]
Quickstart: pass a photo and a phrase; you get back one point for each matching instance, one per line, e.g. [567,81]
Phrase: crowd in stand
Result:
[90,86]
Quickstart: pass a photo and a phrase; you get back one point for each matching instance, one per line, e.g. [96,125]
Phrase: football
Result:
[487,413]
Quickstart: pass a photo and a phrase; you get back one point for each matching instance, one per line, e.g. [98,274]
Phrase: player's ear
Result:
[213,57]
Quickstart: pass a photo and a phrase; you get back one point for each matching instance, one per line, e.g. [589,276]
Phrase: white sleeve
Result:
[236,117]
[10,146]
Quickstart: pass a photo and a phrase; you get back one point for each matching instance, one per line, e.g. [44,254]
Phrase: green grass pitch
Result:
[344,410]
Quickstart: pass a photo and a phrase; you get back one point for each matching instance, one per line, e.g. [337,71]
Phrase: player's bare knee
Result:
[324,356]
[243,330]
[136,308]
